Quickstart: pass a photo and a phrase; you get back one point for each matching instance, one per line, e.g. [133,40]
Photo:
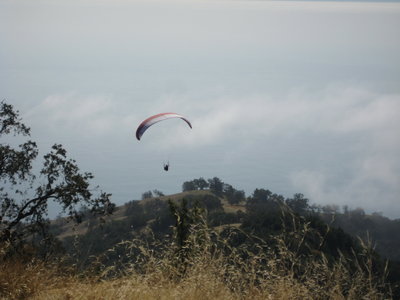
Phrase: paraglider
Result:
[166,166]
[155,119]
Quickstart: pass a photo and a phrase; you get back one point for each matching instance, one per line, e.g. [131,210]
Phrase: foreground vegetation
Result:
[201,263]
[198,245]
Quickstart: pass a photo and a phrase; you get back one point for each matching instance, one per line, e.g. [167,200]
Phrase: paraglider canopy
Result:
[155,119]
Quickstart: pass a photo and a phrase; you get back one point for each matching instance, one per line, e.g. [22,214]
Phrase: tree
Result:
[188,186]
[189,231]
[228,190]
[158,193]
[25,196]
[238,196]
[216,185]
[147,195]
[261,195]
[195,184]
[201,183]
[264,200]
[331,209]
[298,204]
[232,195]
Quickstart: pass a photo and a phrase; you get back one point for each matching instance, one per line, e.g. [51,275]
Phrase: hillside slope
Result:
[63,228]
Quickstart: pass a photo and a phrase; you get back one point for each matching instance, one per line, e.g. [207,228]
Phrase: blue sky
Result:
[289,96]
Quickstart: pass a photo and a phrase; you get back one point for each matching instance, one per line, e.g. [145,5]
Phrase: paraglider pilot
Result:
[166,166]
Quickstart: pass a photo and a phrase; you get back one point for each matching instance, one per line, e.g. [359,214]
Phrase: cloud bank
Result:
[343,141]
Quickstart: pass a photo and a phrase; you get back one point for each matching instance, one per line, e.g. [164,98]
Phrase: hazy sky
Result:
[288,96]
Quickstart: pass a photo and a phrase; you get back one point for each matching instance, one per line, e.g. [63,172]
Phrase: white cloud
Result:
[358,190]
[371,179]
[87,115]
[335,110]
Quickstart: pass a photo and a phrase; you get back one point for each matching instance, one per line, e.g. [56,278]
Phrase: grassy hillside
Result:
[63,228]
[263,247]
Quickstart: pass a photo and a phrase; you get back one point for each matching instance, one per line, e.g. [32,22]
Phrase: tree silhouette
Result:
[25,195]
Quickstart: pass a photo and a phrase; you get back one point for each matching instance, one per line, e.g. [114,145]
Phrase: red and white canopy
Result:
[155,119]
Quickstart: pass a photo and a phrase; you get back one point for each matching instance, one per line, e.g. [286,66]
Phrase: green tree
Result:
[261,195]
[298,204]
[232,195]
[25,195]
[261,200]
[158,193]
[228,190]
[190,224]
[201,183]
[188,186]
[147,195]
[238,196]
[216,185]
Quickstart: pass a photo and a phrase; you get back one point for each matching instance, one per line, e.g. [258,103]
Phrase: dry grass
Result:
[22,280]
[206,267]
[204,281]
[232,208]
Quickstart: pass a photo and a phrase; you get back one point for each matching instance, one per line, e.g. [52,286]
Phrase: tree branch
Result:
[21,215]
